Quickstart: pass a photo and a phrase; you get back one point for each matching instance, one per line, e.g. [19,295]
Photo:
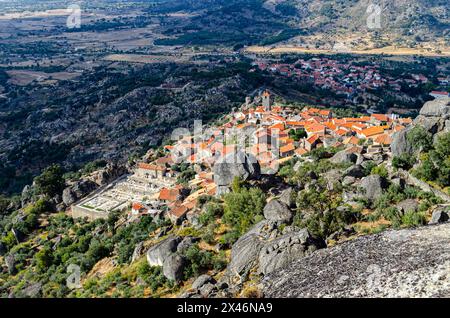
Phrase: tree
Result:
[297,134]
[404,161]
[43,259]
[243,207]
[420,139]
[51,181]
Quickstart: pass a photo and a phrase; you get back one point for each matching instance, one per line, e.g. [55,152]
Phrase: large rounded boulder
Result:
[277,211]
[240,164]
[158,253]
[373,186]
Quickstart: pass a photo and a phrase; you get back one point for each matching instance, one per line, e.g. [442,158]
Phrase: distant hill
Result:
[405,23]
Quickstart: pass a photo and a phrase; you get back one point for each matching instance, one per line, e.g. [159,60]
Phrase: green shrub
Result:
[198,259]
[420,139]
[413,219]
[211,212]
[404,161]
[51,181]
[380,170]
[243,208]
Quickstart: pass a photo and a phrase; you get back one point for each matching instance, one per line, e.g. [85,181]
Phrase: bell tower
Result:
[267,101]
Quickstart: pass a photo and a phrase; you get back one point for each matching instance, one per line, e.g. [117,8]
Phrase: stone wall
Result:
[81,212]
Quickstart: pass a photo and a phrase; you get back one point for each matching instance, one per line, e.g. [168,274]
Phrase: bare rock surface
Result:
[240,164]
[402,263]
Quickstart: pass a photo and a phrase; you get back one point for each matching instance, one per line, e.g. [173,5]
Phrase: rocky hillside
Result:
[316,228]
[319,23]
[112,114]
[405,263]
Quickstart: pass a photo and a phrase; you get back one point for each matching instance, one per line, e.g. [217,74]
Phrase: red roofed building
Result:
[287,150]
[169,195]
[313,142]
[178,213]
[138,208]
[371,132]
[150,171]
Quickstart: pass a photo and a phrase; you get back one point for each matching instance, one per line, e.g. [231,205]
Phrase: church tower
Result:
[267,101]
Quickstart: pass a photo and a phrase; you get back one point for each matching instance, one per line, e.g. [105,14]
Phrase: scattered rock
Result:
[207,289]
[202,280]
[240,165]
[408,205]
[158,253]
[356,171]
[173,267]
[344,157]
[283,250]
[400,144]
[277,211]
[441,214]
[398,182]
[32,291]
[348,180]
[332,177]
[10,262]
[187,242]
[297,166]
[373,186]
[138,251]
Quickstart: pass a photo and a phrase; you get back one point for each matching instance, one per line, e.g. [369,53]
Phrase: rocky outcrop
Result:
[277,211]
[27,195]
[433,117]
[159,252]
[77,191]
[10,262]
[266,248]
[173,267]
[404,263]
[186,243]
[244,254]
[373,186]
[333,177]
[137,252]
[344,157]
[242,165]
[111,172]
[283,250]
[407,206]
[439,107]
[202,280]
[441,214]
[356,171]
[32,291]
[286,197]
[400,144]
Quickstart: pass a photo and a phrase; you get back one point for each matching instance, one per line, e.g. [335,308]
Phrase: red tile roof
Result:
[147,166]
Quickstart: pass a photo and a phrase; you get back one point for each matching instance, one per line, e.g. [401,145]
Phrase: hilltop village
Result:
[350,79]
[268,134]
